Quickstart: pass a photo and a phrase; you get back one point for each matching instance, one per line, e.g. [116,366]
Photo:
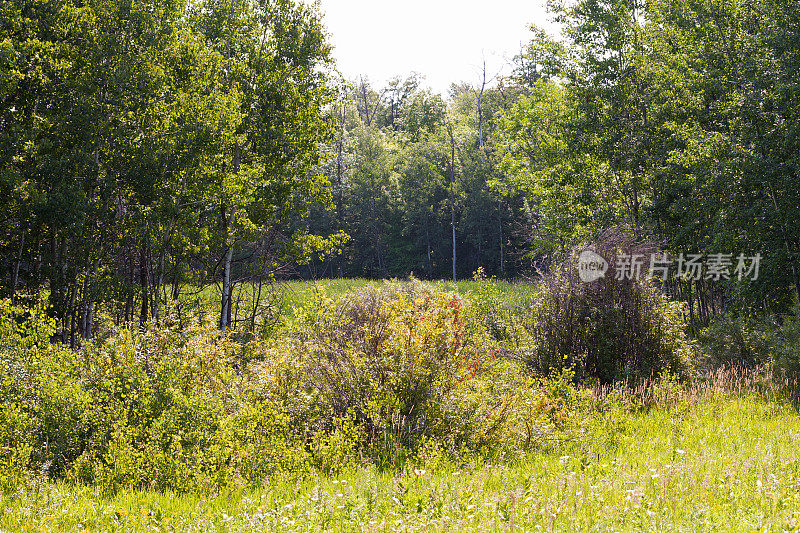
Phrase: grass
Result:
[721,462]
[291,294]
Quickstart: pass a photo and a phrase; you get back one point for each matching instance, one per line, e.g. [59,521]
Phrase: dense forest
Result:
[674,119]
[149,149]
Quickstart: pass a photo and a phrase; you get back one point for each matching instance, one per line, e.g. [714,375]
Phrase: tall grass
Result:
[716,457]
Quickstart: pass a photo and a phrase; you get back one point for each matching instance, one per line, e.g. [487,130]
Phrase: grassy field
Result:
[725,462]
[287,295]
[296,292]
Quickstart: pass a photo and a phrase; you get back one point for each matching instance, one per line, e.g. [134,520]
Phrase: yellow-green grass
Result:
[288,295]
[724,463]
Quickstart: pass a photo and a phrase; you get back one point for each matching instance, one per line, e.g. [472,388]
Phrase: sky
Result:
[444,40]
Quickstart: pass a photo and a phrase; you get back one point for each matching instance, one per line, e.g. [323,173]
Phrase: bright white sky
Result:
[445,40]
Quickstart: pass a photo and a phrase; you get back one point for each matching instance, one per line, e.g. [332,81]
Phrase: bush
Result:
[383,356]
[610,330]
[388,370]
[385,374]
[165,410]
[24,352]
[739,340]
[787,351]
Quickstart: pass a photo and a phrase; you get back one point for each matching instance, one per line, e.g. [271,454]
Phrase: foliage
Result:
[162,410]
[739,340]
[742,340]
[382,357]
[142,143]
[611,329]
[787,353]
[386,374]
[658,475]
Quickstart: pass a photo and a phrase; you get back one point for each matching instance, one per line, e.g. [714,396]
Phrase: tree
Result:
[276,57]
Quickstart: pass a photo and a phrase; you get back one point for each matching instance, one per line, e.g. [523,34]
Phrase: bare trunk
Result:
[159,283]
[428,245]
[256,303]
[144,280]
[340,192]
[71,315]
[87,326]
[500,228]
[480,107]
[15,270]
[230,222]
[131,284]
[37,268]
[176,282]
[225,311]
[452,197]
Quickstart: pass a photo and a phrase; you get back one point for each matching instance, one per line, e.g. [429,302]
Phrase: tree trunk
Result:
[176,281]
[230,222]
[256,303]
[225,311]
[500,228]
[71,325]
[159,283]
[480,107]
[452,197]
[15,270]
[131,284]
[144,280]
[340,192]
[88,313]
[428,246]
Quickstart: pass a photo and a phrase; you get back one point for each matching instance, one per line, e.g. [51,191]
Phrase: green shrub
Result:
[739,340]
[399,373]
[24,352]
[609,330]
[753,340]
[787,346]
[165,410]
[387,370]
[16,446]
[383,355]
[495,311]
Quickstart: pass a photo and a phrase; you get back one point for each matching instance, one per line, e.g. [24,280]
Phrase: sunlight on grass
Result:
[724,464]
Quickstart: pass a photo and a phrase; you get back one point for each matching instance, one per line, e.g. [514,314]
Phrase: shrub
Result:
[385,355]
[739,340]
[24,352]
[164,410]
[787,352]
[609,329]
[404,370]
[497,312]
[16,446]
[388,370]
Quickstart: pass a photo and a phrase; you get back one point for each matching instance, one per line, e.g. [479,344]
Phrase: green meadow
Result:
[725,461]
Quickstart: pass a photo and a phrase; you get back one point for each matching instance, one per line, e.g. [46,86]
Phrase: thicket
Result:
[755,340]
[396,374]
[610,329]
